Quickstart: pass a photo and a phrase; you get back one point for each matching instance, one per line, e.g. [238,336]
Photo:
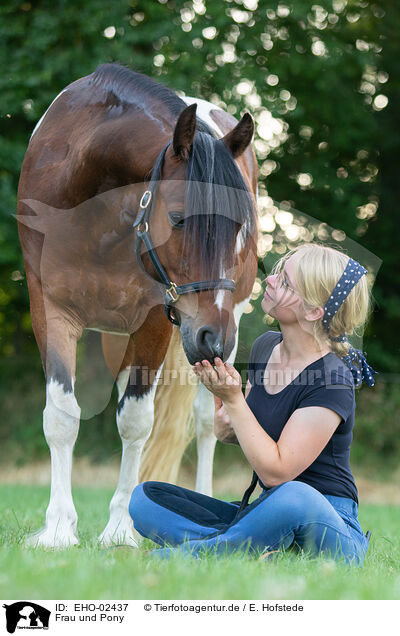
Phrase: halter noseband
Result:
[173,291]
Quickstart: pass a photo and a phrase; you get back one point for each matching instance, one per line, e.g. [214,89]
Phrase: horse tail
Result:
[173,416]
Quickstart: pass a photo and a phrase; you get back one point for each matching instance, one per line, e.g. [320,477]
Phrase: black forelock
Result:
[217,204]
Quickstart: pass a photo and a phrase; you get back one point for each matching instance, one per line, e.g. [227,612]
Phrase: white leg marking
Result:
[203,408]
[60,424]
[44,115]
[204,416]
[122,382]
[135,421]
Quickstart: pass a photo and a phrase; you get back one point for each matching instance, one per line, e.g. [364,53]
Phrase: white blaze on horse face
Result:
[219,299]
[60,424]
[237,314]
[135,422]
[44,114]
[203,112]
[239,245]
[204,109]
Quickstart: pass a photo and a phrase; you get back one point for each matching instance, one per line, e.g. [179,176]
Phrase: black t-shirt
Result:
[327,382]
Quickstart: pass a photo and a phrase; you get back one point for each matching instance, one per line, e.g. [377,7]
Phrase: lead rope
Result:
[245,502]
[248,493]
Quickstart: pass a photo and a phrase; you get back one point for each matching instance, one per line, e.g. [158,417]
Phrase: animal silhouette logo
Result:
[26,615]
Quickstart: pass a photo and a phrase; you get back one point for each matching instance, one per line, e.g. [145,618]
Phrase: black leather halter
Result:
[173,291]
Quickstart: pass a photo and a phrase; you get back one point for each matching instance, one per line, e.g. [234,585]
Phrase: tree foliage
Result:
[321,81]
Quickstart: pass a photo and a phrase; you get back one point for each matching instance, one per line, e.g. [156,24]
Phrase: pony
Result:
[137,218]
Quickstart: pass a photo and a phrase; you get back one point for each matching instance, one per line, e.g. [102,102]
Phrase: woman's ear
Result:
[314,314]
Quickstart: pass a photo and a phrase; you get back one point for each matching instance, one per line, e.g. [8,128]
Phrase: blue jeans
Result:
[291,514]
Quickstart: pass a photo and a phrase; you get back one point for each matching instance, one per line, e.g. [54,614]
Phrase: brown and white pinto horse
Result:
[81,188]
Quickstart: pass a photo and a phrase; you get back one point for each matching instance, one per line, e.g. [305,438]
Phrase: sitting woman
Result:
[295,424]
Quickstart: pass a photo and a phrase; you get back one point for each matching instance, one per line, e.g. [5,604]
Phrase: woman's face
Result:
[281,299]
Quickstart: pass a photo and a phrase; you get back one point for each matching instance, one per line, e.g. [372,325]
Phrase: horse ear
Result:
[239,138]
[184,132]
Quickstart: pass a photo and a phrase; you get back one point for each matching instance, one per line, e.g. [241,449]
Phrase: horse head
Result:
[203,222]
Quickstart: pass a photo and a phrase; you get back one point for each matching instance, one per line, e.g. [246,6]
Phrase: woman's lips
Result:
[266,295]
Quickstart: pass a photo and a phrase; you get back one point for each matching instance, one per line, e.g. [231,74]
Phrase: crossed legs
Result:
[293,513]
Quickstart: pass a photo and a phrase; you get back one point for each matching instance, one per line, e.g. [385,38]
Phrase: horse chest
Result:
[100,299]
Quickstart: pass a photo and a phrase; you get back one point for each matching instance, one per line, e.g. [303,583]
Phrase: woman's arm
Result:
[305,435]
[303,438]
[222,422]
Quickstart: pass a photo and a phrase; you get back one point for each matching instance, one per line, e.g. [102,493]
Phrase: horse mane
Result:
[217,198]
[125,84]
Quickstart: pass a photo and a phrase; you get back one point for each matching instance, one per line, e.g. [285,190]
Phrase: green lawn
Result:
[88,572]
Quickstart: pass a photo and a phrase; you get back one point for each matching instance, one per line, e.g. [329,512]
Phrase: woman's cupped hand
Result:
[222,380]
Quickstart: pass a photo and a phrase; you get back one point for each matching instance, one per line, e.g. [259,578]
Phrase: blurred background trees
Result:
[321,80]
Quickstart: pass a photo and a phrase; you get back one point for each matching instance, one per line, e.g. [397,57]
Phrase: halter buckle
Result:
[143,227]
[172,293]
[145,200]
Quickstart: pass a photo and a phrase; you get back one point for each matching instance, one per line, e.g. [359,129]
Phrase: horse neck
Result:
[119,153]
[148,136]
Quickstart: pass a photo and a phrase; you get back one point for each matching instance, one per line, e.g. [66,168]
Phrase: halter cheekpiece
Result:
[172,291]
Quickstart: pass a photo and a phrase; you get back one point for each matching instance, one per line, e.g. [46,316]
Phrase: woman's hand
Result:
[222,424]
[223,381]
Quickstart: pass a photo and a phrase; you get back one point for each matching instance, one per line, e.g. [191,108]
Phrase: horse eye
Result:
[176,219]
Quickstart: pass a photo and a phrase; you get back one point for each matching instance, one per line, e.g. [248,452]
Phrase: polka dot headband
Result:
[350,277]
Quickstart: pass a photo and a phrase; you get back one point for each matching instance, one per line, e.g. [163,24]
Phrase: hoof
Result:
[121,533]
[51,539]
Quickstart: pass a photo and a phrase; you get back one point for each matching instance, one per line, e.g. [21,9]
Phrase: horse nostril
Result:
[209,342]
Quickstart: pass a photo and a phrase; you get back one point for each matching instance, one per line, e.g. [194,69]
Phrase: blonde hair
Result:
[316,272]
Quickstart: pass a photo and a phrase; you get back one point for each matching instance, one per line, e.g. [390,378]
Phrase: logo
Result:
[26,615]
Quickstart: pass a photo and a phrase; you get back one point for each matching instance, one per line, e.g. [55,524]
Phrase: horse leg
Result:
[135,416]
[60,424]
[203,408]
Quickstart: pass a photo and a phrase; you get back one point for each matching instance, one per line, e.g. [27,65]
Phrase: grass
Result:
[89,572]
